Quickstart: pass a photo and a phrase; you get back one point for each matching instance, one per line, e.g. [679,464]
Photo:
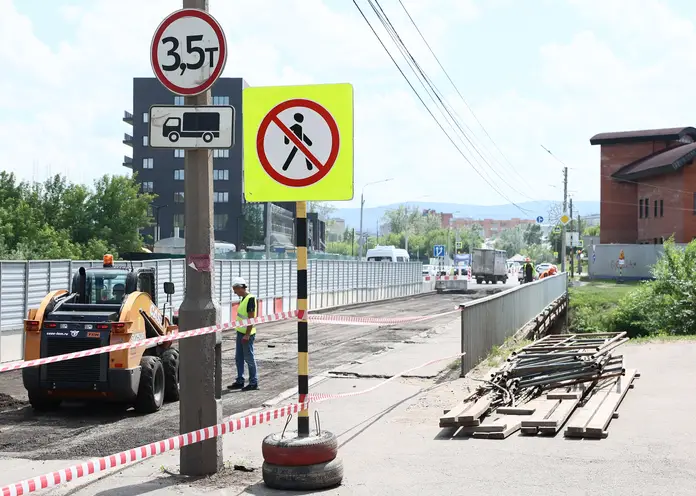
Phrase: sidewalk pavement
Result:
[391,444]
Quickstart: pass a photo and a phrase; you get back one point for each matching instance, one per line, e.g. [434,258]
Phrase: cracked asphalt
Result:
[80,430]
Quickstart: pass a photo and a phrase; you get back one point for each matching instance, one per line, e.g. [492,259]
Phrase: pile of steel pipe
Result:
[552,362]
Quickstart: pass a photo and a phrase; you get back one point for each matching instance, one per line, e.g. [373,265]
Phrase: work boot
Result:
[236,385]
[251,387]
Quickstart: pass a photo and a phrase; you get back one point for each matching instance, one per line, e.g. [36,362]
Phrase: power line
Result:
[391,30]
[437,59]
[424,80]
[426,106]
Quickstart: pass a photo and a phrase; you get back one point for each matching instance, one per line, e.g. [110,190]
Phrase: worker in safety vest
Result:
[244,352]
[529,270]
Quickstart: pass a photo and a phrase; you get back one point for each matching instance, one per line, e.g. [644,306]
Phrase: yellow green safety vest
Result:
[242,313]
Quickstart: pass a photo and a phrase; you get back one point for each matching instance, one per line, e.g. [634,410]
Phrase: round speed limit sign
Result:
[188,52]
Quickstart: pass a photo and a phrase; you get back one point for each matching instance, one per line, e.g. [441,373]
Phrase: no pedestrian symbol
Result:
[298,142]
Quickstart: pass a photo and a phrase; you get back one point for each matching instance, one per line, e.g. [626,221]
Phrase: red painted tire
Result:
[293,451]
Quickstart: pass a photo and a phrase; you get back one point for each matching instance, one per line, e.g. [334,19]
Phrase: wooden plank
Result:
[476,410]
[449,419]
[510,410]
[555,421]
[581,416]
[543,412]
[600,421]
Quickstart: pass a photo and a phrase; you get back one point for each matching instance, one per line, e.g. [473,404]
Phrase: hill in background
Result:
[373,215]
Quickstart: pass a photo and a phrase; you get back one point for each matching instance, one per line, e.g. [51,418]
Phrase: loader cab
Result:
[109,284]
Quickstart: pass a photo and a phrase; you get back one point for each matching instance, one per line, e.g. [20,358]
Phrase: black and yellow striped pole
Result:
[302,324]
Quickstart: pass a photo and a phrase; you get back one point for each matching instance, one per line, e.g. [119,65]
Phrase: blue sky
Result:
[550,72]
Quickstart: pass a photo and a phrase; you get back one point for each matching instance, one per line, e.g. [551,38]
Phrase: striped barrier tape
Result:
[150,342]
[444,278]
[227,426]
[175,336]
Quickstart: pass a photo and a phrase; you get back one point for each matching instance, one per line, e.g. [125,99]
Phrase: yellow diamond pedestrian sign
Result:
[298,143]
[564,219]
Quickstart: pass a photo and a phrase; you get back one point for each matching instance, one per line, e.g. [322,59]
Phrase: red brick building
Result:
[648,185]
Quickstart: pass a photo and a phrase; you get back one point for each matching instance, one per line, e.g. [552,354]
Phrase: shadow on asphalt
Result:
[70,414]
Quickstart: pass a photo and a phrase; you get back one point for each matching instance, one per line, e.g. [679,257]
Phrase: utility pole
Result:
[563,229]
[360,239]
[352,244]
[200,369]
[572,247]
[268,230]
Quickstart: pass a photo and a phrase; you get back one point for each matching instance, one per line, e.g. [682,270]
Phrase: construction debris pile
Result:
[567,378]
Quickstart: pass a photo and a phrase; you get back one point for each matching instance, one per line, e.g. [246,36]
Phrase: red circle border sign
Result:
[261,149]
[222,56]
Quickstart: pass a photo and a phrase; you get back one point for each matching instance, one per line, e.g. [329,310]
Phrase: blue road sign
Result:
[439,250]
[539,219]
[594,258]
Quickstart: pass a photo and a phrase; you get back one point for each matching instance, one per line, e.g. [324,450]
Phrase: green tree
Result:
[57,219]
[118,211]
[511,240]
[324,209]
[591,231]
[532,234]
[252,224]
[538,254]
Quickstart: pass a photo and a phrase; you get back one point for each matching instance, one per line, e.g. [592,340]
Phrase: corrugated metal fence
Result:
[331,282]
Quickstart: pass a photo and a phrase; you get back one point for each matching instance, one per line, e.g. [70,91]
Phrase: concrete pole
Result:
[200,405]
[563,229]
[572,247]
[360,239]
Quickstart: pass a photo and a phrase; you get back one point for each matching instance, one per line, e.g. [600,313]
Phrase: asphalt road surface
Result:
[79,430]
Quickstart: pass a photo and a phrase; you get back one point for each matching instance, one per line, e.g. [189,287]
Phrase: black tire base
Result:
[304,478]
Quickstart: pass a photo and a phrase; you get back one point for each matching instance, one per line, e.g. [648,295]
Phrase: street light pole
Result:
[157,208]
[362,204]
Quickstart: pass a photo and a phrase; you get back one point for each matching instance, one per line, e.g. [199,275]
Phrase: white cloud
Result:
[66,100]
[69,97]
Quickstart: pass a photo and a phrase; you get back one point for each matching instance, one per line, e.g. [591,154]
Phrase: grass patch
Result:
[592,305]
[500,353]
[662,338]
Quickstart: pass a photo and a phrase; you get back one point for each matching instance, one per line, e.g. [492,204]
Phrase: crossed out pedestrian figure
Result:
[297,129]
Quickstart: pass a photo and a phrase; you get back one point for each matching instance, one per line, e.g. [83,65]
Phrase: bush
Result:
[633,313]
[674,289]
[592,306]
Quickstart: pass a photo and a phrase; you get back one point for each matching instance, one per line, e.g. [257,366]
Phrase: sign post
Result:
[298,147]
[188,54]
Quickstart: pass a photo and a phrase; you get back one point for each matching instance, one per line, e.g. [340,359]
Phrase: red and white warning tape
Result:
[229,425]
[151,342]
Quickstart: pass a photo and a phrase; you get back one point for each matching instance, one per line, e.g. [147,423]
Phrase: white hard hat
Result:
[238,281]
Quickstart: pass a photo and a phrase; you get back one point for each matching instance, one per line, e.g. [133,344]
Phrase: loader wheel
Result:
[151,388]
[41,402]
[170,363]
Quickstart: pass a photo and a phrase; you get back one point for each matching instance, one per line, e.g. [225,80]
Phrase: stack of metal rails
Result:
[565,378]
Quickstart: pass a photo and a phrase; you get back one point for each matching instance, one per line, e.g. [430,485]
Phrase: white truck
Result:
[489,266]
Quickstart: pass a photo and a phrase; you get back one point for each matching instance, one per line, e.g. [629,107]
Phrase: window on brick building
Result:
[646,204]
[655,209]
[662,208]
[640,207]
